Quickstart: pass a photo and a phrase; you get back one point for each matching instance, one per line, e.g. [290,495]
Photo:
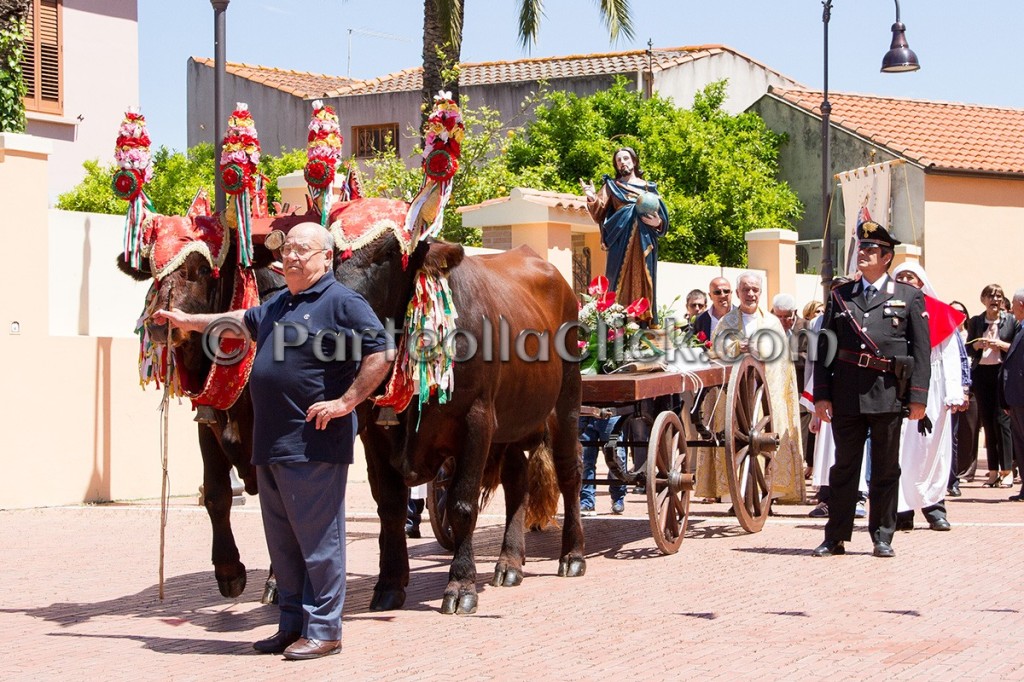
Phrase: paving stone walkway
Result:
[80,601]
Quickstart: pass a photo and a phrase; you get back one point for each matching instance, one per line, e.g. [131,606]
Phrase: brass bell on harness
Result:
[387,416]
[205,415]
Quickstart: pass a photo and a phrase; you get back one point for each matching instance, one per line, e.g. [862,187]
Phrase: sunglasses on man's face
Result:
[719,292]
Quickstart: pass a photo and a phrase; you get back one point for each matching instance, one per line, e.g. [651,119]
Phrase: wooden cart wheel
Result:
[668,482]
[750,443]
[437,505]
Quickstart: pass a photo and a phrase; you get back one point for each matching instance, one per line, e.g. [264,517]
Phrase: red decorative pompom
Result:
[233,177]
[319,173]
[440,166]
[127,184]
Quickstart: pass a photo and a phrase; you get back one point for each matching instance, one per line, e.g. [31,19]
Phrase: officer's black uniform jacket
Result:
[896,321]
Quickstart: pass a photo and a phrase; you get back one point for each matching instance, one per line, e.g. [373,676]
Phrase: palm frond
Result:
[530,14]
[449,14]
[617,18]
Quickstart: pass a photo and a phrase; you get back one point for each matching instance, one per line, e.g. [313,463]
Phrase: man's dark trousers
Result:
[303,505]
[850,432]
[1017,422]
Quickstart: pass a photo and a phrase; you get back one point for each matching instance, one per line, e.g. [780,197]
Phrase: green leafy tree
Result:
[716,172]
[176,179]
[482,173]
[12,48]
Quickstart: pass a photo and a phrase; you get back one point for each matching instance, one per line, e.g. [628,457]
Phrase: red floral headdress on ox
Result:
[135,169]
[323,149]
[239,157]
[442,138]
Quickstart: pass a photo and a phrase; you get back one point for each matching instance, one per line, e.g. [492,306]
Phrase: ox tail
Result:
[543,488]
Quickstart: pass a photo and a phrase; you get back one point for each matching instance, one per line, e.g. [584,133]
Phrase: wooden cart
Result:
[748,438]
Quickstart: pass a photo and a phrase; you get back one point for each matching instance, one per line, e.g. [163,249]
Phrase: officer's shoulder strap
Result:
[844,311]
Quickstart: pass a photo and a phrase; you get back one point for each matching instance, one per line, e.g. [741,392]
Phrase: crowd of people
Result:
[890,425]
[886,426]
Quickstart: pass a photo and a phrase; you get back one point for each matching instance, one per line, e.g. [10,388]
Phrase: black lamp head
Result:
[900,57]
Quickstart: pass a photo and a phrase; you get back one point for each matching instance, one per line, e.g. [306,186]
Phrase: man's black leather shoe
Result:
[939,524]
[829,548]
[954,490]
[277,642]
[904,525]
[883,550]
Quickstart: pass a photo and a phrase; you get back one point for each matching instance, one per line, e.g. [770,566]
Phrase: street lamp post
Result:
[898,59]
[220,8]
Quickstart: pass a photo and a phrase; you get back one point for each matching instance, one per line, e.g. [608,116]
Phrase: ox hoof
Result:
[464,603]
[387,600]
[233,587]
[507,577]
[572,568]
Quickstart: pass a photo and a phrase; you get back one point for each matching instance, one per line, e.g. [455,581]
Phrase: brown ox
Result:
[225,442]
[499,407]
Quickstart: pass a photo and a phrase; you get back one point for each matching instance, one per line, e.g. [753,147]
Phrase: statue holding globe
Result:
[632,217]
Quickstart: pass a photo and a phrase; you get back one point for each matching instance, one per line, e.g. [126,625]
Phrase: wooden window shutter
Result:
[41,62]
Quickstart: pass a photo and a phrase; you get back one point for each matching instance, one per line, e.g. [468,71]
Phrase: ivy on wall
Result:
[12,46]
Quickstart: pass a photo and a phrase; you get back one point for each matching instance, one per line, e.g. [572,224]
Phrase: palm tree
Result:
[442,38]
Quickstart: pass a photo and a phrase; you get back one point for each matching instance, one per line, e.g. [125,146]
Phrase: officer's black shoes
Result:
[883,550]
[939,524]
[829,548]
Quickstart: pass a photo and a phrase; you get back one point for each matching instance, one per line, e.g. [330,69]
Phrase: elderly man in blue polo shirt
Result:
[318,355]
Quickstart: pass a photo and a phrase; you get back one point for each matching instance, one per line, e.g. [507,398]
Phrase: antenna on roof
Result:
[372,34]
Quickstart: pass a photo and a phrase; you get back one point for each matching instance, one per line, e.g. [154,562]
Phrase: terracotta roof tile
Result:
[948,135]
[299,83]
[546,68]
[566,202]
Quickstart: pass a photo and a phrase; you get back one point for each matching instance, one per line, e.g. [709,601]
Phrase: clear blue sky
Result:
[786,35]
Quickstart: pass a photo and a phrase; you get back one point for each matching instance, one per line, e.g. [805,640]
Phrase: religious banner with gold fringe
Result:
[865,197]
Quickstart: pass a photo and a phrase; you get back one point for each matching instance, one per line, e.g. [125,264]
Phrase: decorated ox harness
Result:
[170,240]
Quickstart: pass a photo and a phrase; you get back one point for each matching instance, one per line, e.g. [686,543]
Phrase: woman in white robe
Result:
[925,457]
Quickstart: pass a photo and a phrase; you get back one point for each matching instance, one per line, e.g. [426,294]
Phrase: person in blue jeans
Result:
[594,433]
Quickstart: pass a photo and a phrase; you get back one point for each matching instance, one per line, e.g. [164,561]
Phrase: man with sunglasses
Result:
[721,303]
[881,327]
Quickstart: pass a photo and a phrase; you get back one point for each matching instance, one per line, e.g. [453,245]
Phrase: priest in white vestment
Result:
[780,375]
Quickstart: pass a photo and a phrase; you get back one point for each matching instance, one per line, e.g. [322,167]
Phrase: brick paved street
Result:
[80,601]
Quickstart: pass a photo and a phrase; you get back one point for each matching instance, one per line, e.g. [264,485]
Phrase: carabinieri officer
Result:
[881,330]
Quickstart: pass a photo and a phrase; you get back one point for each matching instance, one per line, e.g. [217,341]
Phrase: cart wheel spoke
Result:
[437,505]
[667,506]
[748,415]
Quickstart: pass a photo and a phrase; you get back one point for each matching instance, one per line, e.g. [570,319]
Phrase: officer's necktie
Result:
[869,293]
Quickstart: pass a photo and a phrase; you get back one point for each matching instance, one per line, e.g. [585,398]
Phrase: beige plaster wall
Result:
[76,425]
[974,229]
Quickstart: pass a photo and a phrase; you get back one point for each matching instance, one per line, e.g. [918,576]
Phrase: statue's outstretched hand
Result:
[588,190]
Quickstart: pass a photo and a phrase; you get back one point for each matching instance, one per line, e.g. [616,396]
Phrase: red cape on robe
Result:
[943,319]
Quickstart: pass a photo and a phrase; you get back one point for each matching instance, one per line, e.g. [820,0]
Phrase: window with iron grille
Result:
[41,62]
[368,140]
